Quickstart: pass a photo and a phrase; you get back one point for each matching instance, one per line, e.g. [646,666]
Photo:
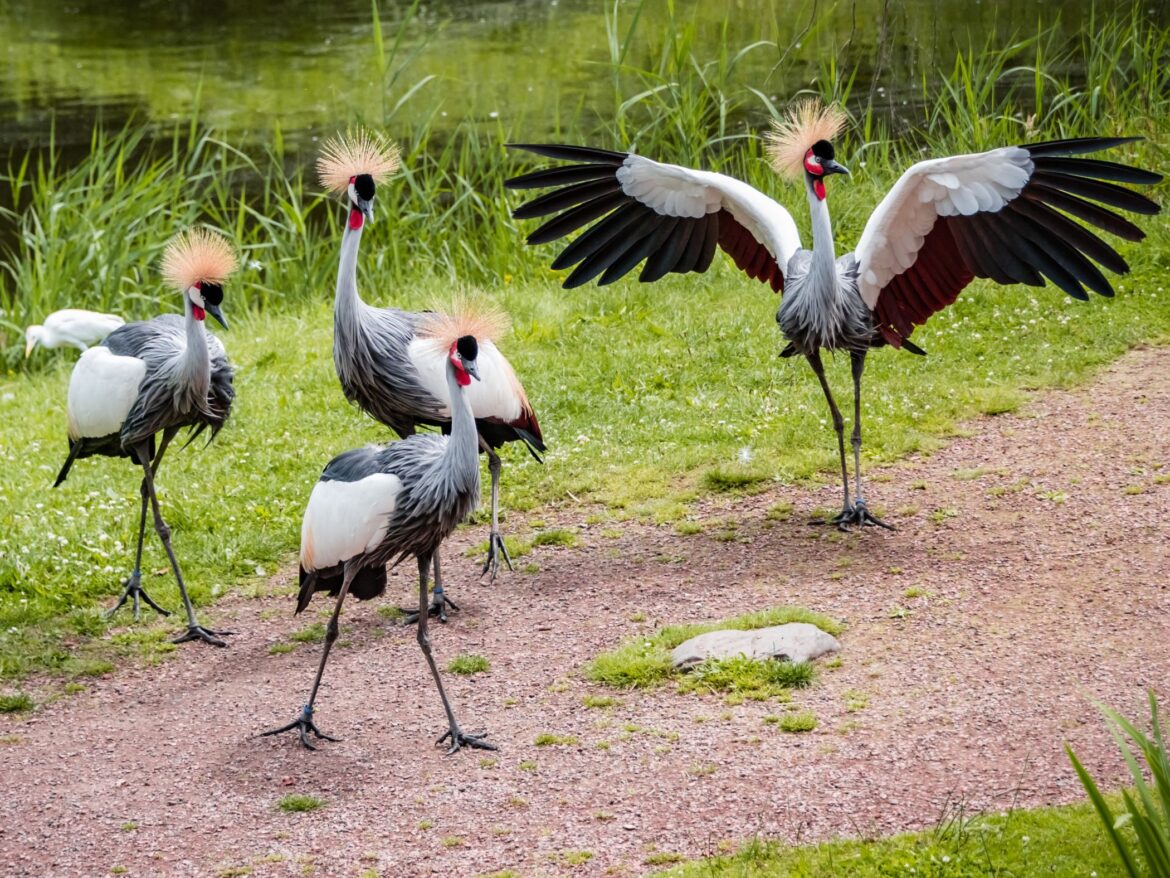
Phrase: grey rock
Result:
[794,642]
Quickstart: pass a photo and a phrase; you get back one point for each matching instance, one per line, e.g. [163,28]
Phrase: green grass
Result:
[737,675]
[17,702]
[645,661]
[548,739]
[599,364]
[469,664]
[1050,842]
[295,803]
[798,721]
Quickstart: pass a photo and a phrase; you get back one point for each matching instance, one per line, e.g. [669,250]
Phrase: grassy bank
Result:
[1063,842]
[649,395]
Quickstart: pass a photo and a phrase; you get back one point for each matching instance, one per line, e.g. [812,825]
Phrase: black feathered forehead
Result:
[468,347]
[822,149]
[212,293]
[363,185]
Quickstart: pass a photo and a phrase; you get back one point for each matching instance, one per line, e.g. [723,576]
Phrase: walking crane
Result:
[158,376]
[1003,214]
[380,505]
[392,371]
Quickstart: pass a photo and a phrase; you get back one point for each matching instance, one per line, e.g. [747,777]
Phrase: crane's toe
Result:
[858,514]
[438,607]
[198,632]
[305,726]
[134,592]
[496,549]
[460,739]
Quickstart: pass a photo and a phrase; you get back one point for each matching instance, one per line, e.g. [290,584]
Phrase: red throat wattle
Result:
[819,188]
[198,312]
[355,219]
[461,374]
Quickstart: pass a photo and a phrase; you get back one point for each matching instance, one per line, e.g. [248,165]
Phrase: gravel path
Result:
[1036,545]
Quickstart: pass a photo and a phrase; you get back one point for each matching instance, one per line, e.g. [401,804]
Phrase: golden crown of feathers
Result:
[198,255]
[807,122]
[357,152]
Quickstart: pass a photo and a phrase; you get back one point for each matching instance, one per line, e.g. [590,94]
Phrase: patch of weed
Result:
[468,664]
[295,803]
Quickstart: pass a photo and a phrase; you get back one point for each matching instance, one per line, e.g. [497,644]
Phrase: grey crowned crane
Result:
[391,371]
[380,505]
[158,376]
[74,327]
[1003,214]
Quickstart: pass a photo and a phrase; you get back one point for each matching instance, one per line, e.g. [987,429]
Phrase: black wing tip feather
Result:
[571,152]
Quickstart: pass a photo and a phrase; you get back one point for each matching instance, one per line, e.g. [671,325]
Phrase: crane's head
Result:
[801,143]
[462,355]
[32,336]
[355,164]
[198,262]
[206,299]
[820,162]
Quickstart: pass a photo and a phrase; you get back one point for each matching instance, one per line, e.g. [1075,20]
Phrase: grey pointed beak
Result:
[831,167]
[28,347]
[215,312]
[367,209]
[472,369]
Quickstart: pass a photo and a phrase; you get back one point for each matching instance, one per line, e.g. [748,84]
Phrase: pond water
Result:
[293,69]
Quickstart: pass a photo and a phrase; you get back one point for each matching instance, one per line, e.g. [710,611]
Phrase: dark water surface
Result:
[292,69]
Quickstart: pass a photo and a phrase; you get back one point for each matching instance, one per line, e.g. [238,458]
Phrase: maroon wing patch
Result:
[934,281]
[749,255]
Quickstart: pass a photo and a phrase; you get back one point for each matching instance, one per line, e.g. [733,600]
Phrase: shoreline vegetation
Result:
[620,375]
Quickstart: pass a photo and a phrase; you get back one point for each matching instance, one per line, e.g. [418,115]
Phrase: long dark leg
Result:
[304,723]
[861,513]
[496,546]
[814,360]
[133,589]
[458,737]
[195,631]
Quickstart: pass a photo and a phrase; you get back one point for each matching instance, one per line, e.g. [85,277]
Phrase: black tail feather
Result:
[369,582]
[74,448]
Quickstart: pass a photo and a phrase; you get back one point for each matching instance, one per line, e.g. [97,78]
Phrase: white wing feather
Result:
[958,185]
[496,395]
[673,190]
[80,328]
[102,390]
[345,519]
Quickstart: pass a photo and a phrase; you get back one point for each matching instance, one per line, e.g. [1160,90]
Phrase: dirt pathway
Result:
[1029,574]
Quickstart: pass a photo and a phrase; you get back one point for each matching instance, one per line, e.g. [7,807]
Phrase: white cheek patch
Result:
[196,298]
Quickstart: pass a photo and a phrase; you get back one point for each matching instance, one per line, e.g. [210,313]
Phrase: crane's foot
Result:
[496,548]
[856,514]
[305,726]
[459,739]
[198,632]
[134,592]
[438,607]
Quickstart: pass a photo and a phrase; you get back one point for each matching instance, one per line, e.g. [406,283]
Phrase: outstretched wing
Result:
[1002,215]
[670,216]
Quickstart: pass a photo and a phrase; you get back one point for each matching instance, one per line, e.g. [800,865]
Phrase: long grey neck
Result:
[347,305]
[461,459]
[824,258]
[194,371]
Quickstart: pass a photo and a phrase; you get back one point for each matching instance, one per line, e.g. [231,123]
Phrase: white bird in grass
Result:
[158,375]
[999,214]
[383,504]
[387,367]
[75,327]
